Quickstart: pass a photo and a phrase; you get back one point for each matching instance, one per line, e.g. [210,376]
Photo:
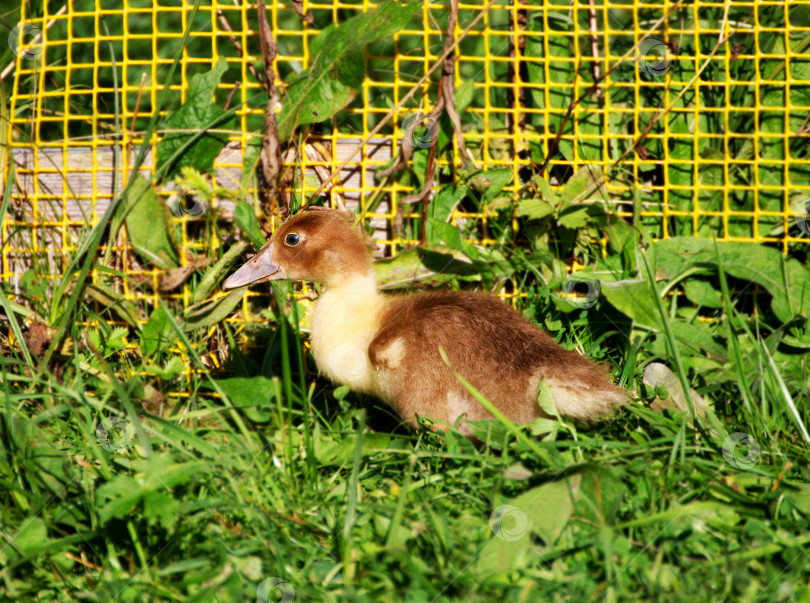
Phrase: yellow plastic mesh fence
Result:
[700,116]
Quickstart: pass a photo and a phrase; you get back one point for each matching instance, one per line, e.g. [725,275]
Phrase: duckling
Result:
[387,345]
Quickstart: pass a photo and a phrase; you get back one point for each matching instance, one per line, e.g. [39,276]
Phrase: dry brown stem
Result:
[271,148]
[305,16]
[232,39]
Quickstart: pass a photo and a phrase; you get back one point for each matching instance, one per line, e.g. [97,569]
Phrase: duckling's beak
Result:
[259,267]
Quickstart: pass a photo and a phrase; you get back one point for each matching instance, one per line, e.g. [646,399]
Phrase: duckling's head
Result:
[318,245]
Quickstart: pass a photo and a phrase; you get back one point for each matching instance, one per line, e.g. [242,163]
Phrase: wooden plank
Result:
[60,192]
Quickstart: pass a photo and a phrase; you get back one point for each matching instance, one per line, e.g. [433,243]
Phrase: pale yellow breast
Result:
[344,322]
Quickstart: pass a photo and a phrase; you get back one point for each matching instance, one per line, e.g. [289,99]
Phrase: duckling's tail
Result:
[587,396]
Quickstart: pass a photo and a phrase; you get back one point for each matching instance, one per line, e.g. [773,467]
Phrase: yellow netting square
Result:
[700,117]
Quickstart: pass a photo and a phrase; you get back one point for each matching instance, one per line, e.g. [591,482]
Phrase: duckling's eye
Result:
[292,239]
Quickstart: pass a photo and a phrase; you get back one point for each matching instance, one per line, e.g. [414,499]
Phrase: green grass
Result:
[160,455]
[195,496]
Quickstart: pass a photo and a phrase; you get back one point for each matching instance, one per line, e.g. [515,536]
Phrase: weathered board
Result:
[60,192]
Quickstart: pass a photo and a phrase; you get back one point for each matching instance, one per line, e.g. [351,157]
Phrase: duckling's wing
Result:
[471,327]
[502,354]
[485,340]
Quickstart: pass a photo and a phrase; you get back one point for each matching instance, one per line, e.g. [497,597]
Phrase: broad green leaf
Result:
[545,399]
[575,216]
[544,511]
[491,182]
[790,287]
[500,557]
[625,239]
[216,273]
[535,209]
[548,428]
[253,153]
[147,220]
[435,264]
[549,507]
[454,238]
[702,292]
[116,302]
[634,298]
[419,163]
[464,95]
[696,517]
[256,396]
[157,333]
[338,69]
[32,535]
[486,265]
[197,113]
[122,495]
[246,220]
[585,184]
[173,367]
[125,493]
[331,451]
[161,472]
[212,312]
[786,279]
[545,189]
[160,507]
[442,206]
[341,392]
[799,495]
[601,494]
[490,431]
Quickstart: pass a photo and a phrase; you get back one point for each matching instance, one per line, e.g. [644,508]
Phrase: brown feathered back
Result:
[499,352]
